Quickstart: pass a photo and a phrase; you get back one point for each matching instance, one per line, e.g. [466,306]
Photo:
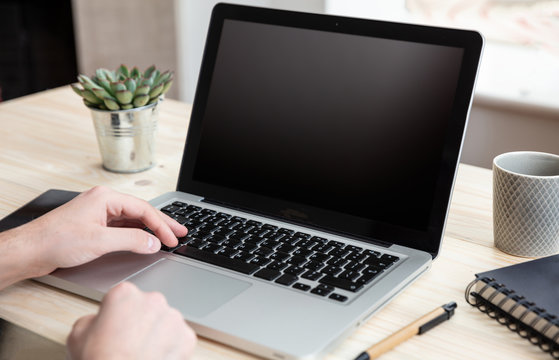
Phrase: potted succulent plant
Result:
[124,108]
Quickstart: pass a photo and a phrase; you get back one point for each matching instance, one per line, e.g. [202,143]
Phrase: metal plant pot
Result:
[127,137]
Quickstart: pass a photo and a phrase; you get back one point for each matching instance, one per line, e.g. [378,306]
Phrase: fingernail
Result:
[152,245]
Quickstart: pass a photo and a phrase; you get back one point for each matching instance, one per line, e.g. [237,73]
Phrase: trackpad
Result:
[193,291]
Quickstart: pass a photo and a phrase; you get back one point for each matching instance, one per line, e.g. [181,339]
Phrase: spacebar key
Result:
[219,260]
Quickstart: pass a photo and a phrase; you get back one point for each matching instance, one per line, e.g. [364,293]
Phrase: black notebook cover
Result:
[524,297]
[536,280]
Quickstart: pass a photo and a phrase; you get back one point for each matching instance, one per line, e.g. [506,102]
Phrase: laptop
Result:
[315,180]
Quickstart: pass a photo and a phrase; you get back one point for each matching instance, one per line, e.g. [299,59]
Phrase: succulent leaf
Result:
[105,84]
[154,75]
[86,82]
[135,73]
[124,70]
[78,90]
[167,86]
[142,90]
[130,85]
[100,74]
[90,97]
[88,104]
[149,71]
[147,81]
[102,93]
[117,86]
[154,100]
[124,96]
[111,104]
[162,78]
[141,100]
[127,106]
[109,75]
[156,91]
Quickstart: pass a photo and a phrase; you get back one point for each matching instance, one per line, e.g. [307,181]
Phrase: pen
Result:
[418,327]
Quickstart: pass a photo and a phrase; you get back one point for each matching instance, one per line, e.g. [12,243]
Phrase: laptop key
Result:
[267,274]
[218,260]
[314,265]
[300,286]
[260,261]
[277,265]
[231,243]
[244,256]
[355,256]
[331,270]
[263,251]
[338,297]
[319,239]
[286,231]
[297,260]
[270,244]
[366,278]
[216,239]
[303,252]
[389,258]
[338,253]
[279,256]
[294,270]
[303,235]
[227,251]
[322,290]
[341,283]
[170,208]
[223,215]
[312,275]
[287,279]
[354,266]
[197,243]
[349,275]
[286,248]
[180,204]
[213,248]
[254,223]
[247,247]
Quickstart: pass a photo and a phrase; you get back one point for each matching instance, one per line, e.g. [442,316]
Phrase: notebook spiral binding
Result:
[527,331]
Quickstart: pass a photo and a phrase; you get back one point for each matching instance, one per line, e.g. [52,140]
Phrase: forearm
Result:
[17,256]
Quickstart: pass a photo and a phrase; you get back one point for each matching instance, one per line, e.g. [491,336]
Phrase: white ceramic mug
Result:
[526,203]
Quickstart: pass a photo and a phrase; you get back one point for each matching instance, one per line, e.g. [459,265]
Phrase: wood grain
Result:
[47,141]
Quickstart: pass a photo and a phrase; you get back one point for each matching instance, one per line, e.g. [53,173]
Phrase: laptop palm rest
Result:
[193,291]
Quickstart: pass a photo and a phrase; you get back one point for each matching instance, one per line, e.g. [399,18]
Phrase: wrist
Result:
[18,260]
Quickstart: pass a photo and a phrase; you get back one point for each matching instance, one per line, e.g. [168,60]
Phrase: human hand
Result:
[131,325]
[94,223]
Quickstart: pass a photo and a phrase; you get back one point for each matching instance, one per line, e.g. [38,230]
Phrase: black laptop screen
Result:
[335,130]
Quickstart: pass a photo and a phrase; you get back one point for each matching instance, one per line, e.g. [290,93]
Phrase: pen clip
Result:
[448,312]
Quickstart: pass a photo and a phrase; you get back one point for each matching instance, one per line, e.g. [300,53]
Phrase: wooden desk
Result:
[47,141]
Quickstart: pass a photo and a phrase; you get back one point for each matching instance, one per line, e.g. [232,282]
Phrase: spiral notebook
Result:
[524,297]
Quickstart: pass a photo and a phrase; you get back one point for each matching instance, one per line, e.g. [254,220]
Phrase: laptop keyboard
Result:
[284,256]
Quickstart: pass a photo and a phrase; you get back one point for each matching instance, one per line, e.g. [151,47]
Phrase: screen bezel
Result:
[428,240]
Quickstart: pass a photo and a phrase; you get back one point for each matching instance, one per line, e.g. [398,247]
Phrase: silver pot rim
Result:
[127,110]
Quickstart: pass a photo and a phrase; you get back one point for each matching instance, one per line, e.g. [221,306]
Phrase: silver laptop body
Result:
[247,49]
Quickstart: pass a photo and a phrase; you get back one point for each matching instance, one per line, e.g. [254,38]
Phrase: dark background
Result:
[37,49]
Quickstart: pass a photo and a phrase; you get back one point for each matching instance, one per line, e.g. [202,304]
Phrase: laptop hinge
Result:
[289,221]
